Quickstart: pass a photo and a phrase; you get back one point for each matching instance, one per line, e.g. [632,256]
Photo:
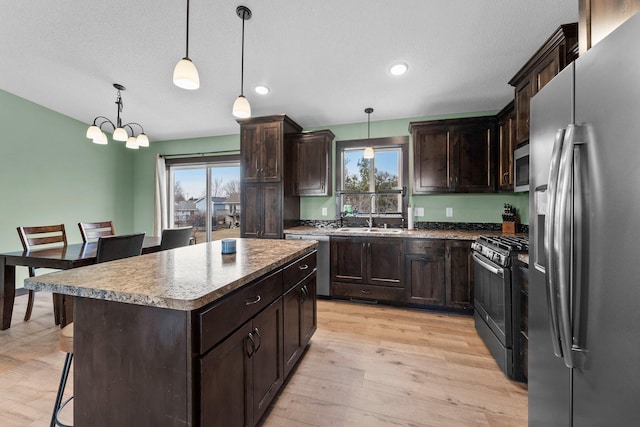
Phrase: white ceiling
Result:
[324,60]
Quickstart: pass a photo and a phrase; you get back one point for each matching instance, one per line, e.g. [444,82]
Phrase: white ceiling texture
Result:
[324,60]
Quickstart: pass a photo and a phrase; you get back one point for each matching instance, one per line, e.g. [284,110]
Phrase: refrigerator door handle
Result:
[563,241]
[550,257]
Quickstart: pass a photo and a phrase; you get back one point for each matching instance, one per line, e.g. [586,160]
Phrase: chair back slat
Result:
[95,230]
[42,235]
[117,247]
[175,237]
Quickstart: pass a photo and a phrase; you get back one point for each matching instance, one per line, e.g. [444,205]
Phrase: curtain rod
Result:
[211,153]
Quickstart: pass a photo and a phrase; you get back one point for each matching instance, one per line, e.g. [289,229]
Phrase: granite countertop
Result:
[416,234]
[186,278]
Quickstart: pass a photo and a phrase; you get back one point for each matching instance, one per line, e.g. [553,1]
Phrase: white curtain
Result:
[160,214]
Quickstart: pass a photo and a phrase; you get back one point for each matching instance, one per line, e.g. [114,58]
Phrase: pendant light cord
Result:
[368,125]
[242,59]
[187,55]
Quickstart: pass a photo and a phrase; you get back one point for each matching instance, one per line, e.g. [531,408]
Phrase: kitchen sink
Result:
[370,230]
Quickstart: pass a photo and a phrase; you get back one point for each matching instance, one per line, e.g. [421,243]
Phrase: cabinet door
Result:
[425,269]
[347,260]
[522,99]
[252,207]
[431,147]
[473,158]
[271,152]
[459,274]
[547,70]
[313,164]
[226,381]
[506,138]
[250,157]
[271,211]
[299,305]
[308,312]
[385,262]
[267,359]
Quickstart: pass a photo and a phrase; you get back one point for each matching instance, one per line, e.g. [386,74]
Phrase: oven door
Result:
[492,297]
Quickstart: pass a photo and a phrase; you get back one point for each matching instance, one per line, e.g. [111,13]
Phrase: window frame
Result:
[393,142]
[205,162]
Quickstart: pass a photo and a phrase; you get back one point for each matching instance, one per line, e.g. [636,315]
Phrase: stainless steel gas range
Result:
[493,302]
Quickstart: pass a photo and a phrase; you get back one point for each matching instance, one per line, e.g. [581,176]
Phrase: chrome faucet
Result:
[370,220]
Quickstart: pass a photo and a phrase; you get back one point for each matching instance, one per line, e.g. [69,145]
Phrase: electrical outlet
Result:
[449,212]
[418,212]
[324,211]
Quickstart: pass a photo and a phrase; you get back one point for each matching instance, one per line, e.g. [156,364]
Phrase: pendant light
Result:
[368,152]
[120,132]
[185,74]
[241,107]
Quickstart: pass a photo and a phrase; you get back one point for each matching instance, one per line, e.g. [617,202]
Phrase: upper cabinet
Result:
[599,17]
[262,147]
[310,156]
[506,145]
[455,155]
[555,54]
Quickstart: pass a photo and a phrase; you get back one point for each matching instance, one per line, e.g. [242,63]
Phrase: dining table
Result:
[59,258]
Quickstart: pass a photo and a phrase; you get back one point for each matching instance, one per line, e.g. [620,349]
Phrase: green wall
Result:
[52,174]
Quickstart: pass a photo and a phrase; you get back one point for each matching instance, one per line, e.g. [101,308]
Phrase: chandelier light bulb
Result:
[185,75]
[120,134]
[93,132]
[368,153]
[142,140]
[241,108]
[132,143]
[101,139]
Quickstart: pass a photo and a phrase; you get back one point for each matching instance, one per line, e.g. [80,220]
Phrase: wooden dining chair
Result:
[175,237]
[39,237]
[110,248]
[95,230]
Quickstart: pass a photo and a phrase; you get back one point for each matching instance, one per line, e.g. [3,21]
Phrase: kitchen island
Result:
[188,337]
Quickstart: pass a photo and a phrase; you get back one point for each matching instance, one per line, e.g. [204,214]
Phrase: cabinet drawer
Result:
[298,270]
[350,290]
[416,246]
[225,316]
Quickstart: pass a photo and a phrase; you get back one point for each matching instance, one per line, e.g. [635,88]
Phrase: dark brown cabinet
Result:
[244,372]
[367,268]
[520,301]
[439,273]
[597,18]
[506,145]
[299,320]
[556,53]
[312,165]
[266,209]
[454,155]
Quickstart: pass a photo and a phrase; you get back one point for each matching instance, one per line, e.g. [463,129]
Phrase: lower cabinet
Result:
[439,273]
[367,268]
[240,374]
[300,321]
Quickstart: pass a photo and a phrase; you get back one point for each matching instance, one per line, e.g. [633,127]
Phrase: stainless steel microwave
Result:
[521,169]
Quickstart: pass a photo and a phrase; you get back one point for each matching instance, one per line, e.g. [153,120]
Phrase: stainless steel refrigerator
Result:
[584,253]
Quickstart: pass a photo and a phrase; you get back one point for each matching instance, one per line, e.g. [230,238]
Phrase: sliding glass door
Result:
[206,195]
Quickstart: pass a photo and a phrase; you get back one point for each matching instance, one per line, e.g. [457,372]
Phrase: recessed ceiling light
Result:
[262,90]
[398,69]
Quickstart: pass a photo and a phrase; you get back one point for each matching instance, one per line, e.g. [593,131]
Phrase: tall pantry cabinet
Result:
[266,209]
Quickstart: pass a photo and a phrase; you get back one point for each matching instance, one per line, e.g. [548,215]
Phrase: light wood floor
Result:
[366,366]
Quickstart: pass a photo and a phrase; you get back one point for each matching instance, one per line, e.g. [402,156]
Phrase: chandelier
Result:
[121,132]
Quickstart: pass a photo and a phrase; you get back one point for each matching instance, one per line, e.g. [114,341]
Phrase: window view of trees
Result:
[219,210]
[372,175]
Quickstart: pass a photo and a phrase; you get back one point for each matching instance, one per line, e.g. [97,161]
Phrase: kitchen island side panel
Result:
[132,365]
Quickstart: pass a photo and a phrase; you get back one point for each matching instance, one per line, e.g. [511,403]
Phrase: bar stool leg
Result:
[63,382]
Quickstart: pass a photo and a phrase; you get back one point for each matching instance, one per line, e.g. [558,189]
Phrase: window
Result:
[372,185]
[205,193]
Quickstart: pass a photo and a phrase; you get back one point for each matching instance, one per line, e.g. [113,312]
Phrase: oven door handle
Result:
[488,265]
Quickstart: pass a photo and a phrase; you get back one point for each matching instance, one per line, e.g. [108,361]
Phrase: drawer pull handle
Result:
[255,301]
[364,291]
[303,267]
